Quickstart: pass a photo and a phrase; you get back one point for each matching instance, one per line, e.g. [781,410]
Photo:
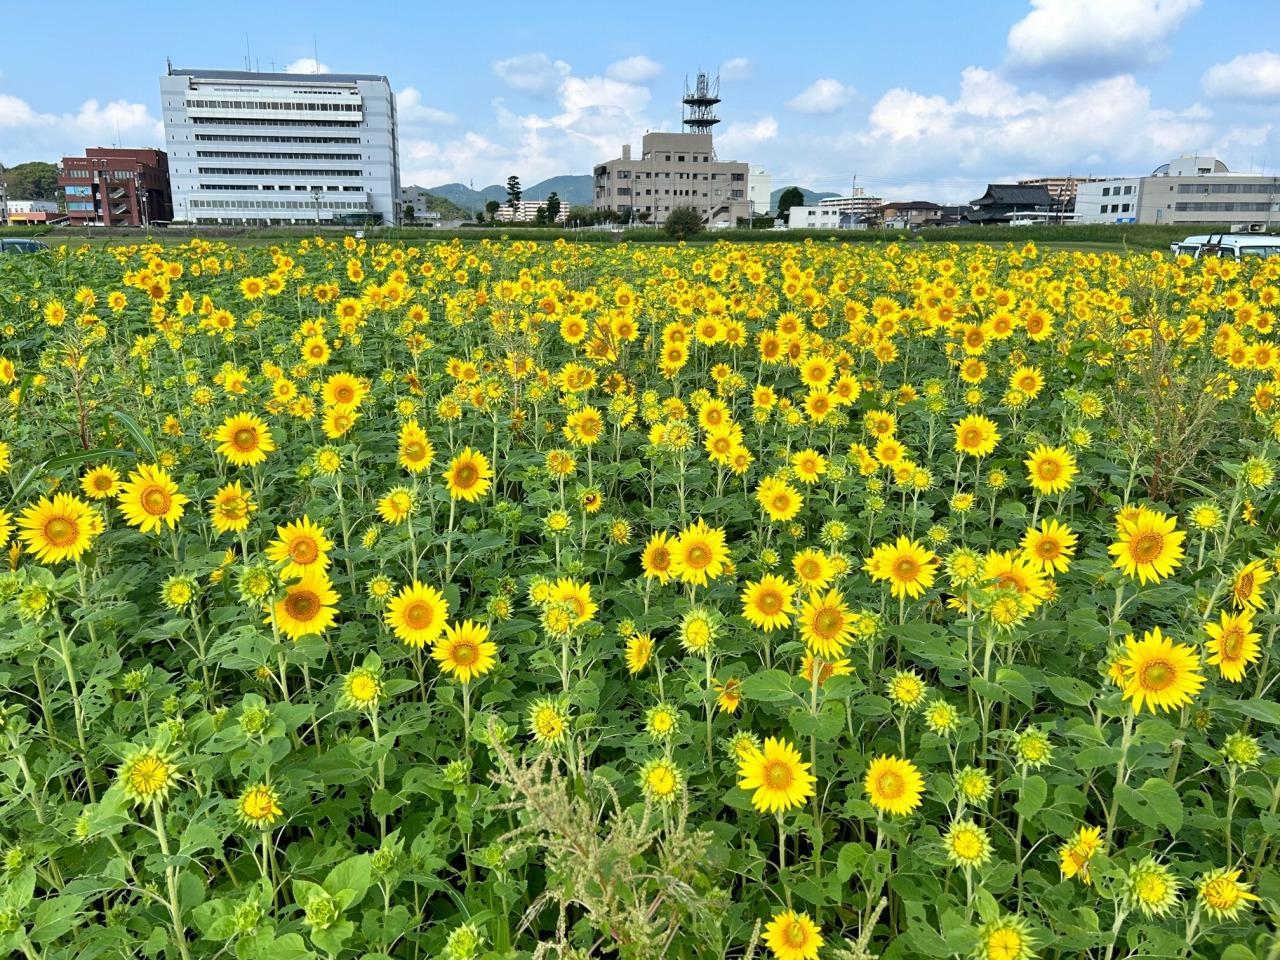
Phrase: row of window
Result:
[79,205]
[272,105]
[1117,191]
[1267,188]
[282,188]
[1115,208]
[255,155]
[256,172]
[275,205]
[74,191]
[254,122]
[1223,206]
[666,175]
[250,138]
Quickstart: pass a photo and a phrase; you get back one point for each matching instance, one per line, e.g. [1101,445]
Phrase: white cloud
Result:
[994,129]
[821,96]
[410,109]
[307,65]
[1096,37]
[429,163]
[741,135]
[33,135]
[735,68]
[635,69]
[534,73]
[1250,76]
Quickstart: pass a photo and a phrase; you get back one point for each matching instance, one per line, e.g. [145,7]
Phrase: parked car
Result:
[1231,246]
[21,245]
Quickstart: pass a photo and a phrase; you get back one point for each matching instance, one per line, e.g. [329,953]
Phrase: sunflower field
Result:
[513,599]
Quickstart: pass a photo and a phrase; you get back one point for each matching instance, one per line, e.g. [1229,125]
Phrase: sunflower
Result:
[415,450]
[468,476]
[577,596]
[826,624]
[967,844]
[150,499]
[230,508]
[778,499]
[639,650]
[344,390]
[777,775]
[1223,895]
[244,440]
[300,546]
[1248,585]
[465,651]
[147,774]
[809,466]
[417,614]
[1152,887]
[59,529]
[767,602]
[976,436]
[1050,546]
[259,806]
[1076,855]
[548,721]
[813,568]
[1005,938]
[793,936]
[309,606]
[1232,644]
[657,557]
[1160,673]
[361,689]
[100,483]
[1050,469]
[907,564]
[397,506]
[893,785]
[699,554]
[660,780]
[1149,547]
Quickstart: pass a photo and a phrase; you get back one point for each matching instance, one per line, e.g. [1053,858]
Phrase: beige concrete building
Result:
[1190,190]
[673,170]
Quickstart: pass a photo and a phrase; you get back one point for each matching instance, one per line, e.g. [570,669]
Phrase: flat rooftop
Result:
[252,75]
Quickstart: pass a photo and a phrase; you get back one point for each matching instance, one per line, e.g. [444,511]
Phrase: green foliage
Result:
[683,223]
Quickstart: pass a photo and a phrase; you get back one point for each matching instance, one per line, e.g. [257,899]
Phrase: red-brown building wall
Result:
[112,186]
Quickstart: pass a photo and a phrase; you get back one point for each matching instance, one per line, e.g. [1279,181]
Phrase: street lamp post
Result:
[315,195]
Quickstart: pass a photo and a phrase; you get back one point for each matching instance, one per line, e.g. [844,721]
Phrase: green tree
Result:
[492,208]
[408,213]
[683,223]
[791,197]
[580,216]
[479,216]
[514,193]
[540,216]
[31,181]
[553,207]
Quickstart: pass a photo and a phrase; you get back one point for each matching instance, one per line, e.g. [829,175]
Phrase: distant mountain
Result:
[466,198]
[811,197]
[571,190]
[447,209]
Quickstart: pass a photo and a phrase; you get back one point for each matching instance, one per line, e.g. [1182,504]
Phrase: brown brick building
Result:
[112,187]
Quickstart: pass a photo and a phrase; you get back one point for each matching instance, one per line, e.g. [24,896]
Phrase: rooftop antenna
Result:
[315,54]
[699,113]
[248,65]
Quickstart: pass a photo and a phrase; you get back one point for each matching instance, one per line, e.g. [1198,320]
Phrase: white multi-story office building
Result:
[280,148]
[673,170]
[760,191]
[1190,190]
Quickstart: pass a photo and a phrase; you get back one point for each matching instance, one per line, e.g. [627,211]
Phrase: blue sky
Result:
[924,99]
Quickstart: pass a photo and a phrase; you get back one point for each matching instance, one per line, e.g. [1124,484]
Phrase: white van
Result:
[1233,246]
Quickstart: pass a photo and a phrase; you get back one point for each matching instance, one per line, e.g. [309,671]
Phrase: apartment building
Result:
[673,170]
[1062,189]
[281,148]
[857,204]
[526,211]
[113,187]
[1189,189]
